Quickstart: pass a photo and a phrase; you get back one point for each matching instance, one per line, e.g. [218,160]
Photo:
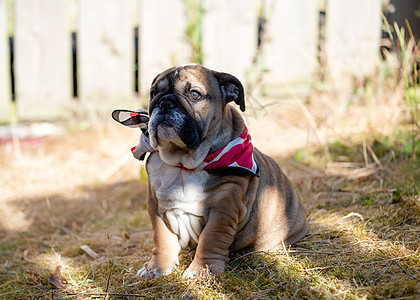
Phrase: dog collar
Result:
[236,158]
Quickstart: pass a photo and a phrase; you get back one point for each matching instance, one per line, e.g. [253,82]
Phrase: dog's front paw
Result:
[198,269]
[192,272]
[155,272]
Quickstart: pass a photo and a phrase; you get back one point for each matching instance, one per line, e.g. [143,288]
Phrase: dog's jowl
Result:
[210,189]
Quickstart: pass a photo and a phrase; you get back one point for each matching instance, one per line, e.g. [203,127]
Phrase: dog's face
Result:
[186,107]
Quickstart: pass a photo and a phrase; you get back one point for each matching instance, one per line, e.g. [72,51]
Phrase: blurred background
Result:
[60,57]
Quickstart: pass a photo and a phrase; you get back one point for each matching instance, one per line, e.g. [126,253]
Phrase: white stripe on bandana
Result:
[238,154]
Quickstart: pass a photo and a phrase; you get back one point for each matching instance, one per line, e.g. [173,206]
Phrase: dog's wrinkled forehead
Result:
[179,77]
[212,85]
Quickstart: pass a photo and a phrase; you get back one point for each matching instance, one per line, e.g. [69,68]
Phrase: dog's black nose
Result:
[167,103]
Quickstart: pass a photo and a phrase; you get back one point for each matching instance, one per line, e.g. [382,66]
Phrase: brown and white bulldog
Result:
[209,189]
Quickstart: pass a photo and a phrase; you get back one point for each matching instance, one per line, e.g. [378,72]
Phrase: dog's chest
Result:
[181,198]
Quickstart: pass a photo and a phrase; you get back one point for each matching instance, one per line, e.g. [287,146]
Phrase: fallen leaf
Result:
[57,279]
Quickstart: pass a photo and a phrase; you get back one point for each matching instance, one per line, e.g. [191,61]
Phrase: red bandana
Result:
[236,158]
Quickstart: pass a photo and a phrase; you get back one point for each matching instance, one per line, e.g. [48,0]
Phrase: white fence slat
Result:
[105,54]
[5,97]
[289,48]
[230,36]
[162,39]
[42,58]
[352,37]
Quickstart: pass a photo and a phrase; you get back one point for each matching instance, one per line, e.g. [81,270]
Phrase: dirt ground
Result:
[77,201]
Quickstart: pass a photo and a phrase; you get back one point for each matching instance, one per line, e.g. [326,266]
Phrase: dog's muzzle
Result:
[167,111]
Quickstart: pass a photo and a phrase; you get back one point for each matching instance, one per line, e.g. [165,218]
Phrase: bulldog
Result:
[209,189]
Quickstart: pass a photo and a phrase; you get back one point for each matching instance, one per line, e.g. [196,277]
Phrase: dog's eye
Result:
[152,94]
[195,95]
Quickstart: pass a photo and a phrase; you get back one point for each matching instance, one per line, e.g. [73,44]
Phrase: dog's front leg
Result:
[166,246]
[213,245]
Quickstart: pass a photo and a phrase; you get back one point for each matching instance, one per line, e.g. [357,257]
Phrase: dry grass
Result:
[353,164]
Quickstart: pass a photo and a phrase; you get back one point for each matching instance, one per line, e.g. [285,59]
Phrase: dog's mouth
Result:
[170,123]
[165,124]
[166,133]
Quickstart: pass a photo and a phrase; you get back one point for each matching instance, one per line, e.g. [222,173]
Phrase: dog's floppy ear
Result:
[231,88]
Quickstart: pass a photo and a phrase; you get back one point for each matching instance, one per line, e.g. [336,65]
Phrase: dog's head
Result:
[186,103]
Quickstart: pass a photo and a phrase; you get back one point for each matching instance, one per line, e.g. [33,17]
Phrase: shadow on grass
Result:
[110,219]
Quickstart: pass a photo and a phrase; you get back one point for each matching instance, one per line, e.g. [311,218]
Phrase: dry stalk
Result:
[375,158]
[320,243]
[189,287]
[265,292]
[365,153]
[106,294]
[111,267]
[246,254]
[399,266]
[13,292]
[285,250]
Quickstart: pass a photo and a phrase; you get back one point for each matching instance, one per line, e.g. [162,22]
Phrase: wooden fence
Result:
[288,51]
